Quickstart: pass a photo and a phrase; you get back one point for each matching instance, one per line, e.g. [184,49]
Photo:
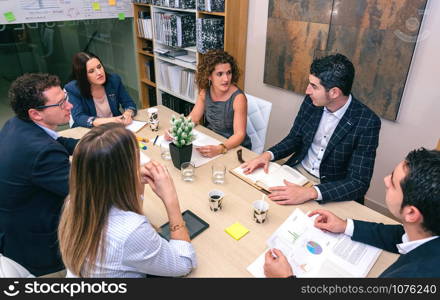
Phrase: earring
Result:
[209,82]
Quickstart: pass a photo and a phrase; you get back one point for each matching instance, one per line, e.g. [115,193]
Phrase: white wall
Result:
[418,123]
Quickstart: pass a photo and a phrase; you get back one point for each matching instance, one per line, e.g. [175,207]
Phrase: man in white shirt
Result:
[333,140]
[412,196]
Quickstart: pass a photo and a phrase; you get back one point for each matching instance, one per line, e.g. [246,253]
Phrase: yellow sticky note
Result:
[237,231]
[96,6]
[112,2]
[9,16]
[121,16]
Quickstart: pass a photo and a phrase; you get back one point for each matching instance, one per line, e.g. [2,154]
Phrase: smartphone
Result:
[193,222]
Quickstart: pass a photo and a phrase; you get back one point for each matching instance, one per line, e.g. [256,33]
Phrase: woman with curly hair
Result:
[221,102]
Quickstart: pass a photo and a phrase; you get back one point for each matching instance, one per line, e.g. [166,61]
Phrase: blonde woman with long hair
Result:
[102,231]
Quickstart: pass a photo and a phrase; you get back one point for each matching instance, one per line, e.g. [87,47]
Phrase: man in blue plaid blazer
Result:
[334,139]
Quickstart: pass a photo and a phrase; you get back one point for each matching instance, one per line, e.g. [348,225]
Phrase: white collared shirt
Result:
[133,248]
[329,121]
[405,247]
[53,134]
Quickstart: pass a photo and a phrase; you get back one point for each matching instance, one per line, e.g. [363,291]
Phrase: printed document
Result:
[312,252]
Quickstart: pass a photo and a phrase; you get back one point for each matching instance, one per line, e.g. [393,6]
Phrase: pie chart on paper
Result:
[314,247]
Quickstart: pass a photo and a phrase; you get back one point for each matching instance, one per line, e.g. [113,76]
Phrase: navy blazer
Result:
[34,174]
[84,108]
[423,261]
[347,165]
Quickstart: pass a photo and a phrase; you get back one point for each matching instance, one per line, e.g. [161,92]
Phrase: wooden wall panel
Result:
[290,51]
[378,36]
[296,28]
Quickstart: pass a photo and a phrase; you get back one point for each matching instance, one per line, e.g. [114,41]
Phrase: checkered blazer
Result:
[348,161]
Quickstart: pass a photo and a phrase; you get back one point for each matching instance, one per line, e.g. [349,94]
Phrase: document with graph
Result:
[314,253]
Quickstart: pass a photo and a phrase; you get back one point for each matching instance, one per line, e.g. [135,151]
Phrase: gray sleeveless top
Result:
[219,116]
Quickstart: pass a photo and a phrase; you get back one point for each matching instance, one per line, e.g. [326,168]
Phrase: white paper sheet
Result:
[135,126]
[201,140]
[144,158]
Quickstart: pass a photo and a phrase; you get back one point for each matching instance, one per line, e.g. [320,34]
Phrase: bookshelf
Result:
[156,71]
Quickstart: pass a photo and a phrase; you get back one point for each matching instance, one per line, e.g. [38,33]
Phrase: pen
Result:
[273,254]
[154,143]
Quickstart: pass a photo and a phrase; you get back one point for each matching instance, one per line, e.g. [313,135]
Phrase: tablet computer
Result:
[194,224]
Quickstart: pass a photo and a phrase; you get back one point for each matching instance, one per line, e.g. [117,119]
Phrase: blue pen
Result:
[154,143]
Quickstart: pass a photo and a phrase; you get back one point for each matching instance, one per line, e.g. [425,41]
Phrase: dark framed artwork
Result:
[378,36]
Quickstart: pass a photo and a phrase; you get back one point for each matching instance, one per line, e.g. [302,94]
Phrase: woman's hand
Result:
[210,151]
[100,121]
[160,181]
[127,117]
[167,135]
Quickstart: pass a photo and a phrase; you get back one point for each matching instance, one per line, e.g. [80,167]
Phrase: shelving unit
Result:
[144,54]
[235,18]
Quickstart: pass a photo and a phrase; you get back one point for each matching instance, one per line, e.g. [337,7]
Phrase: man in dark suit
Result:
[412,196]
[333,139]
[34,171]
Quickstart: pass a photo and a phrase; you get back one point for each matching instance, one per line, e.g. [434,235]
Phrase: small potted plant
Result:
[182,135]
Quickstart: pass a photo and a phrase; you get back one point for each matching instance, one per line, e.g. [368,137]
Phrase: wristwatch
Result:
[224,149]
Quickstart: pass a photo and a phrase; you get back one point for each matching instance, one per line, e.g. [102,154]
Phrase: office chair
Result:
[11,269]
[257,121]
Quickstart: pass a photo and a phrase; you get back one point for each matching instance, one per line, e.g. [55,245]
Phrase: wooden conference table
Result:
[218,254]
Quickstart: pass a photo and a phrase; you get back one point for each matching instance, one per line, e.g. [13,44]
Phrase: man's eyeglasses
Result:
[60,104]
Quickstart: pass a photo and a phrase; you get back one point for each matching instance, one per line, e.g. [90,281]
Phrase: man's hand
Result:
[291,194]
[258,162]
[328,221]
[277,266]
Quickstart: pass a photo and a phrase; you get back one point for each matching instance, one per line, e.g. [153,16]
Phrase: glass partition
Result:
[49,47]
